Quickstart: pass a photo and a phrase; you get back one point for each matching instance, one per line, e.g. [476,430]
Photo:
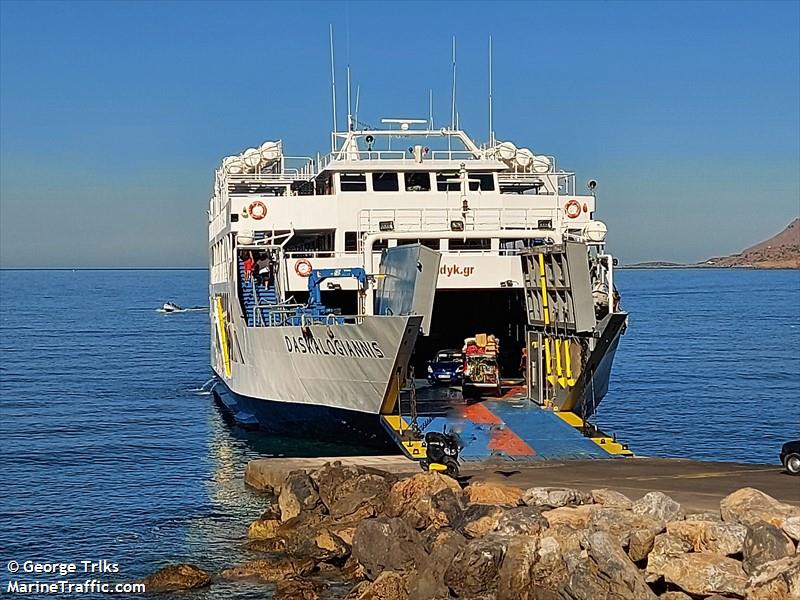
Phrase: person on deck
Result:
[264,266]
[249,264]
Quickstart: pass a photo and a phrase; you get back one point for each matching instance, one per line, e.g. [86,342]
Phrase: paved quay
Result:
[696,485]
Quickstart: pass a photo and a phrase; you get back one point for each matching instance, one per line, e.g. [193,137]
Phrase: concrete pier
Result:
[697,485]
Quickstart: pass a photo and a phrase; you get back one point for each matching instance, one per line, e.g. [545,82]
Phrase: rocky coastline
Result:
[354,532]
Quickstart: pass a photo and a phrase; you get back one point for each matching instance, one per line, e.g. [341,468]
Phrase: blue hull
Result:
[309,421]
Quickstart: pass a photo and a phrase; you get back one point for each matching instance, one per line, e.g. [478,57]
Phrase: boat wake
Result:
[169,308]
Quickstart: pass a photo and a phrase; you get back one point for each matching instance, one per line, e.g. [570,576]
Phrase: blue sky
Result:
[115,114]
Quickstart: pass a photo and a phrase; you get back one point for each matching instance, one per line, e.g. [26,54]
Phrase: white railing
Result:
[440,219]
[396,155]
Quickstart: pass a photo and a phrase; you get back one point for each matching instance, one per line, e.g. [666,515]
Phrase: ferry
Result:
[287,232]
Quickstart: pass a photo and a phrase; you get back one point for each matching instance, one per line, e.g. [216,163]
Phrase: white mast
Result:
[491,129]
[453,108]
[333,92]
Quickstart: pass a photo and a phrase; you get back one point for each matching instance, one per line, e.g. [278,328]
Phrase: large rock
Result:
[523,520]
[704,573]
[347,490]
[553,497]
[272,510]
[610,498]
[474,569]
[175,578]
[776,580]
[263,529]
[387,544]
[640,543]
[410,498]
[568,537]
[665,548]
[675,596]
[749,506]
[659,506]
[497,494]
[389,585]
[621,523]
[296,589]
[446,509]
[717,537]
[764,543]
[297,494]
[791,527]
[577,517]
[548,571]
[514,577]
[321,545]
[604,571]
[442,545]
[269,570]
[703,516]
[480,519]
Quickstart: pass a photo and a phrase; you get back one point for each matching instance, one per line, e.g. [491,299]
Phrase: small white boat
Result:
[170,307]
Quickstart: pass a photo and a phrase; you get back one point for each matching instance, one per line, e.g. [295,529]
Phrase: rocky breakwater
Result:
[354,532]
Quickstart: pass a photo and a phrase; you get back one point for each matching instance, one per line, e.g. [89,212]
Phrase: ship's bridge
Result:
[403,146]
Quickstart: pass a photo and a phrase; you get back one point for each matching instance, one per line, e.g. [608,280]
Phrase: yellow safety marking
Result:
[414,449]
[545,309]
[437,467]
[606,443]
[571,418]
[568,358]
[562,381]
[609,445]
[223,336]
[548,361]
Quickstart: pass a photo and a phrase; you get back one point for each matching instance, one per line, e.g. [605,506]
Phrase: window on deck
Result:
[430,243]
[444,183]
[485,182]
[418,182]
[385,182]
[472,244]
[353,182]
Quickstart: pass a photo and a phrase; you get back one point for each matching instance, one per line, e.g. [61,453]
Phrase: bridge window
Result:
[418,182]
[485,182]
[353,182]
[323,185]
[385,182]
[447,182]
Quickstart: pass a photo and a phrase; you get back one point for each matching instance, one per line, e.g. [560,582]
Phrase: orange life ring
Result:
[257,210]
[303,267]
[573,209]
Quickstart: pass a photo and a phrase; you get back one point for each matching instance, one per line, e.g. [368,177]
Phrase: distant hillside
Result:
[654,264]
[781,251]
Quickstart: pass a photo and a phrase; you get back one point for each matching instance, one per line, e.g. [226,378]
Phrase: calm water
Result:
[110,449]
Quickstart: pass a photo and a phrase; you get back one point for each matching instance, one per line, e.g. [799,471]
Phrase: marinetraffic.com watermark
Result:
[81,577]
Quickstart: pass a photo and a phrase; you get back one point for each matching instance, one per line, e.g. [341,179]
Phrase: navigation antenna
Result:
[491,129]
[358,95]
[347,48]
[430,109]
[333,92]
[453,108]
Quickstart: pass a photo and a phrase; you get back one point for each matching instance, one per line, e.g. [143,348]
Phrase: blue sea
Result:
[112,449]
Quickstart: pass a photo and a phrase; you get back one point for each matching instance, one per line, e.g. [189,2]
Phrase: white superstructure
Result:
[476,204]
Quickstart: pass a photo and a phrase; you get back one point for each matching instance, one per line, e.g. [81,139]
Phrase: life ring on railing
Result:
[303,267]
[573,209]
[257,210]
